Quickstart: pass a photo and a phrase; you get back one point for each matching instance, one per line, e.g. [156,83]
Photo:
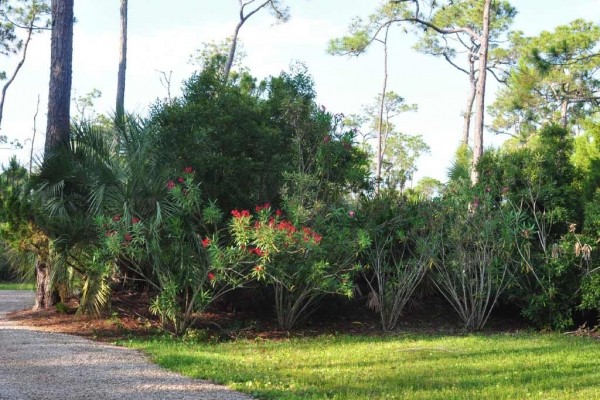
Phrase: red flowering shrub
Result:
[288,257]
[177,253]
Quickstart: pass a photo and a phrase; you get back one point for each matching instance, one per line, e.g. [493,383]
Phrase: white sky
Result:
[163,35]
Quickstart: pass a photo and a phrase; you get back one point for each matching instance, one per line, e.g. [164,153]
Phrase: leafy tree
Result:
[392,12]
[402,152]
[555,81]
[462,50]
[243,137]
[428,187]
[586,156]
[390,144]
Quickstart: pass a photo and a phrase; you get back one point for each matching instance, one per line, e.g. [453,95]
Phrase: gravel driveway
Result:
[41,365]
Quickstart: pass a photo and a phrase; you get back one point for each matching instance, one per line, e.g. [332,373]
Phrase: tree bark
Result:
[564,111]
[379,160]
[61,60]
[480,95]
[120,106]
[232,49]
[17,68]
[44,295]
[470,101]
[59,105]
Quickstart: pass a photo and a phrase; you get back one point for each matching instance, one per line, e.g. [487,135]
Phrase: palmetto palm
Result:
[103,171]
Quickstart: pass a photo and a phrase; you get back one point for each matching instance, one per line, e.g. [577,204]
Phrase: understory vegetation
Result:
[273,195]
[247,194]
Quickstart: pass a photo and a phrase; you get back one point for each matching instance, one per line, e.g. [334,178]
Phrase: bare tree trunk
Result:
[61,60]
[120,108]
[37,111]
[232,49]
[470,101]
[17,69]
[480,95]
[243,18]
[564,112]
[380,128]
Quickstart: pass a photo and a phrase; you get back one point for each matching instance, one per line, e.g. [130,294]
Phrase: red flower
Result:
[117,218]
[257,251]
[206,242]
[180,180]
[188,170]
[317,238]
[258,268]
[240,214]
[135,220]
[211,276]
[257,208]
[127,237]
[266,205]
[170,185]
[351,214]
[278,213]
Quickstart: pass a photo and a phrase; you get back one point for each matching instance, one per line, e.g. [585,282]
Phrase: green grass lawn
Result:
[16,286]
[523,366]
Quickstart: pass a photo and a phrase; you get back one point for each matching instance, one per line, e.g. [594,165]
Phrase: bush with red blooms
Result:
[175,251]
[290,258]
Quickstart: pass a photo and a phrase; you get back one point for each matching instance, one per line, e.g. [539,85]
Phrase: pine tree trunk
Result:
[469,109]
[564,111]
[480,95]
[232,50]
[61,59]
[120,107]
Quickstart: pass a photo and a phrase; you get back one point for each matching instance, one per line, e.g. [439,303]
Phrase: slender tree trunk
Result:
[120,107]
[232,49]
[480,95]
[380,127]
[61,60]
[469,108]
[37,111]
[564,112]
[17,69]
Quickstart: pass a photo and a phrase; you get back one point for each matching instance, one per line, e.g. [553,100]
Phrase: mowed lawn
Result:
[17,286]
[499,366]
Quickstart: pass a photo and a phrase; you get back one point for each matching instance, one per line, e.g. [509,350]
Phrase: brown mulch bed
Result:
[130,318]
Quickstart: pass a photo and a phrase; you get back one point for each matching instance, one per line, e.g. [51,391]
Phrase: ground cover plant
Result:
[497,366]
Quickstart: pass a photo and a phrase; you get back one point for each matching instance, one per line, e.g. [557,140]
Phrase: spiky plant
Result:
[104,170]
